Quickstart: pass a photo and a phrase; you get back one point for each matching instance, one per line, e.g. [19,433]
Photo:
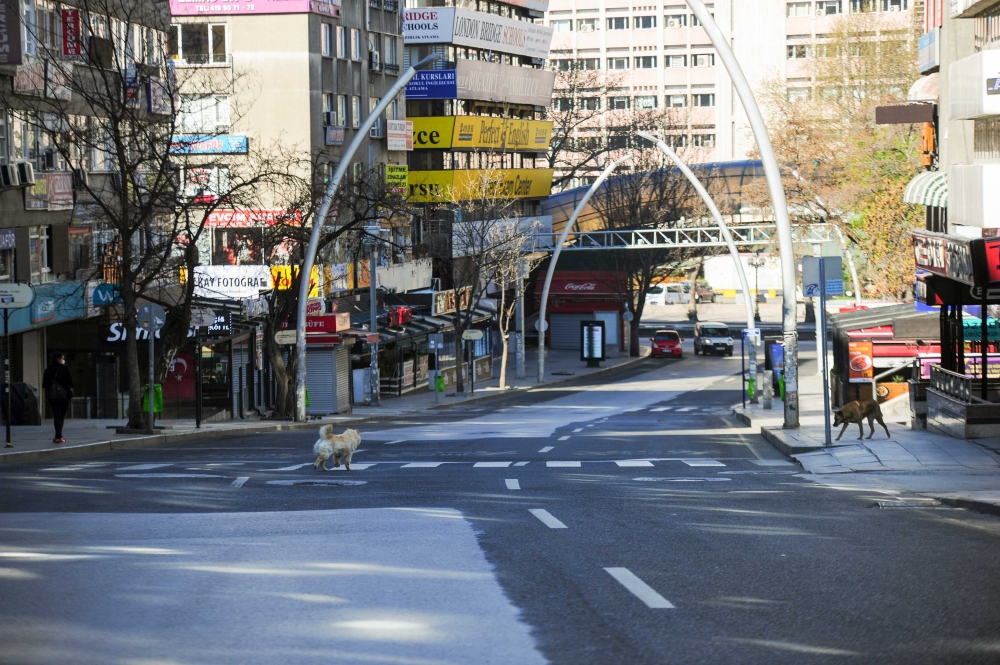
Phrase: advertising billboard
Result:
[440,84]
[203,8]
[443,186]
[464,27]
[860,363]
[470,132]
[395,178]
[493,82]
[399,135]
[222,144]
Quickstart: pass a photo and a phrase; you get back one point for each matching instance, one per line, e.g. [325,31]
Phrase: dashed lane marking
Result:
[572,464]
[547,518]
[633,462]
[389,443]
[143,467]
[239,482]
[686,408]
[520,464]
[640,589]
[422,465]
[563,438]
[512,484]
[491,465]
[578,429]
[661,408]
[166,475]
[702,462]
[293,467]
[545,449]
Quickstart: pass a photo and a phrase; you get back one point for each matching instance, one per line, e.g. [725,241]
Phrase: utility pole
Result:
[373,235]
[519,322]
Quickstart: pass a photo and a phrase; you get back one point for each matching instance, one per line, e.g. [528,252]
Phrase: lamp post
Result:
[324,210]
[756,262]
[778,203]
[714,209]
[555,258]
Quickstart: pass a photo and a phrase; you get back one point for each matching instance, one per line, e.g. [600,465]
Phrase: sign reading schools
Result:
[442,186]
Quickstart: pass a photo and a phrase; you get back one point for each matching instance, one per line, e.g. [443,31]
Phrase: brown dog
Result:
[857,412]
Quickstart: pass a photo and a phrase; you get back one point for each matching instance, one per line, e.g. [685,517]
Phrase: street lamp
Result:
[555,258]
[756,262]
[307,265]
[778,203]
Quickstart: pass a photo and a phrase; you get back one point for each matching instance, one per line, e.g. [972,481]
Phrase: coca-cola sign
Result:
[585,286]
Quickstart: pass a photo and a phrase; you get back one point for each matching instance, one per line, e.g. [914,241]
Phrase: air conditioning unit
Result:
[329,118]
[25,174]
[8,176]
[673,23]
[81,180]
[375,61]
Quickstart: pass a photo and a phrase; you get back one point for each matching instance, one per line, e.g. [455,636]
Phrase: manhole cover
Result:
[317,481]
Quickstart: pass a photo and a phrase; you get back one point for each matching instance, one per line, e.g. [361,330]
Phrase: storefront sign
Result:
[444,186]
[461,132]
[282,276]
[236,282]
[15,296]
[204,8]
[71,33]
[448,302]
[860,362]
[942,254]
[464,27]
[51,191]
[504,84]
[8,240]
[10,32]
[224,144]
[395,178]
[335,135]
[440,84]
[253,217]
[107,295]
[399,134]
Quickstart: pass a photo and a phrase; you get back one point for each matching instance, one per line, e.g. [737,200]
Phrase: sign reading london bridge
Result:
[974,261]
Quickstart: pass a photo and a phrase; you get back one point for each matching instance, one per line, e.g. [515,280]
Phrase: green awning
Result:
[930,188]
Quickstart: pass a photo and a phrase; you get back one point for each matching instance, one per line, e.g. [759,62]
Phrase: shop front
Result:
[579,295]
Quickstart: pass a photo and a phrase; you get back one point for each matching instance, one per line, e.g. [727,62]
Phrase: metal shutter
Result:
[239,361]
[343,358]
[320,379]
[565,330]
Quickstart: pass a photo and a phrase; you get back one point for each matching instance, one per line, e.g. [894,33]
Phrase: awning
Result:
[930,188]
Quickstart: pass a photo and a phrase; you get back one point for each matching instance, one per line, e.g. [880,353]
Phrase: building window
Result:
[588,24]
[40,248]
[342,110]
[199,43]
[645,102]
[6,265]
[703,99]
[645,62]
[4,136]
[617,103]
[677,101]
[326,40]
[355,44]
[562,25]
[355,111]
[696,23]
[895,5]
[204,184]
[391,54]
[675,21]
[703,60]
[618,23]
[590,103]
[703,140]
[394,110]
[798,94]
[341,43]
[798,51]
[676,140]
[827,7]
[644,22]
[675,61]
[328,108]
[563,65]
[588,64]
[28,27]
[617,63]
[48,28]
[203,114]
[799,9]
[562,104]
[863,6]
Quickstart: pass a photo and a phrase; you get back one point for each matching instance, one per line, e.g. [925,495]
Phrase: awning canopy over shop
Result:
[930,188]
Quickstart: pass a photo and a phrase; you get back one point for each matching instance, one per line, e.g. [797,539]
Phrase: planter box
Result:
[947,415]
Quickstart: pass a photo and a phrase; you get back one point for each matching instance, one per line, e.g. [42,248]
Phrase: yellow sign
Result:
[282,276]
[443,186]
[395,178]
[471,131]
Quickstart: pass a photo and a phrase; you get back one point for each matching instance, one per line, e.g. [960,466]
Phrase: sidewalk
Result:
[910,462]
[85,437]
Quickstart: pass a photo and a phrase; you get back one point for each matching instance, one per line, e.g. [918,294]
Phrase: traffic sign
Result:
[628,316]
[15,296]
[545,325]
[285,337]
[435,341]
[751,333]
[470,335]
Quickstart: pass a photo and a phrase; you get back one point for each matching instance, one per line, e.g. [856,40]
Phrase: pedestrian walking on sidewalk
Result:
[58,386]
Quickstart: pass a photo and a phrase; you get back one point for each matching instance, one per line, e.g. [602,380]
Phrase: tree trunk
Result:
[634,335]
[136,415]
[503,362]
[693,281]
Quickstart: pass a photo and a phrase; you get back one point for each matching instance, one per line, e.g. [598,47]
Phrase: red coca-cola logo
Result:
[586,286]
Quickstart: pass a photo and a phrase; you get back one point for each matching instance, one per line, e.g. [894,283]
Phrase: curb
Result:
[776,437]
[971,504]
[160,439]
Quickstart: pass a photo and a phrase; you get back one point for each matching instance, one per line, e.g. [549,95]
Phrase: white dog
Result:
[336,446]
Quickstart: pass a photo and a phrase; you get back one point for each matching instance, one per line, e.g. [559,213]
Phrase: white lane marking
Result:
[358,467]
[491,465]
[578,429]
[684,480]
[686,408]
[294,467]
[562,438]
[771,462]
[640,589]
[730,379]
[591,425]
[239,482]
[545,449]
[563,464]
[521,464]
[547,518]
[166,475]
[143,467]
[512,484]
[633,462]
[389,443]
[699,462]
[661,408]
[422,465]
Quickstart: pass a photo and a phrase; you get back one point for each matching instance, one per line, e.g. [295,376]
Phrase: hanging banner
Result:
[444,186]
[504,84]
[10,33]
[465,27]
[71,33]
[201,8]
[282,276]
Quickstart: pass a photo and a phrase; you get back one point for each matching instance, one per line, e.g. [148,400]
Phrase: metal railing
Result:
[391,69]
[951,383]
[707,236]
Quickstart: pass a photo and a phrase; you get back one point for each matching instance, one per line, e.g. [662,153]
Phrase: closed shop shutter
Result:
[321,381]
[565,330]
[343,380]
[31,359]
[240,357]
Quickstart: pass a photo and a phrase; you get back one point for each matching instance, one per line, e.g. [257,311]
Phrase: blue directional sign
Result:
[221,144]
[440,84]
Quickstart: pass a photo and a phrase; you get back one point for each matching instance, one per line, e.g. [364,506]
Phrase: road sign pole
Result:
[197,379]
[821,324]
[743,368]
[6,372]
[152,325]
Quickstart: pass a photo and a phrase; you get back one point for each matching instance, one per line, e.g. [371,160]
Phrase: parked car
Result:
[667,343]
[712,337]
[704,293]
[667,294]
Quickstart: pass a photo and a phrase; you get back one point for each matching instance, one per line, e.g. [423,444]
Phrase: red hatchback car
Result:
[667,343]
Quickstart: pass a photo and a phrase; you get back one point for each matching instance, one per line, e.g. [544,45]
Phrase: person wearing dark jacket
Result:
[58,386]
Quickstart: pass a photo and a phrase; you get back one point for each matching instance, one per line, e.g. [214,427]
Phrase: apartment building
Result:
[659,56]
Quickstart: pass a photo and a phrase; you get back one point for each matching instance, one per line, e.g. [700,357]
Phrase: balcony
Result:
[391,69]
[390,5]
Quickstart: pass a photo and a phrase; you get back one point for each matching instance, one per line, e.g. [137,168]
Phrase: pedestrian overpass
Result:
[749,236]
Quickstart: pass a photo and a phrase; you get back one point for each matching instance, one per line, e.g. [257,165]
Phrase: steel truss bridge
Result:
[747,235]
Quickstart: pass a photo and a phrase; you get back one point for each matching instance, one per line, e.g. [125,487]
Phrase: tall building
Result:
[660,56]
